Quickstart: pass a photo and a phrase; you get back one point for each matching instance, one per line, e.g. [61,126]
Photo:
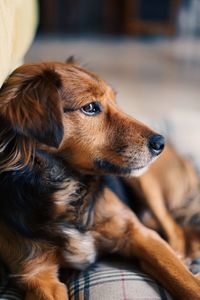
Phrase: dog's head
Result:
[70,111]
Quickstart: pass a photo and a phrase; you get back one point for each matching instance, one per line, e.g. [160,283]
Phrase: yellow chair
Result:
[18,22]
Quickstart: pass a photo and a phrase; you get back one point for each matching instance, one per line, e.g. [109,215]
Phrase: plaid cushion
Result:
[9,292]
[103,281]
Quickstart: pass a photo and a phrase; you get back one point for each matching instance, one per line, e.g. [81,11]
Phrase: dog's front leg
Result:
[34,267]
[44,286]
[39,277]
[119,230]
[155,200]
[159,260]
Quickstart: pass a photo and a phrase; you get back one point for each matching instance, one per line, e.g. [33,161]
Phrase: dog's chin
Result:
[105,167]
[138,171]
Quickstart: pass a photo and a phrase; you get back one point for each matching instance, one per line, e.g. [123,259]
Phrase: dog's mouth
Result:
[105,166]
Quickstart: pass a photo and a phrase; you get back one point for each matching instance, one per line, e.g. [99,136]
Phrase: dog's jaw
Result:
[138,172]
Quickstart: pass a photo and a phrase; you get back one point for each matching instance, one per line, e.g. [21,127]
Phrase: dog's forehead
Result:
[79,81]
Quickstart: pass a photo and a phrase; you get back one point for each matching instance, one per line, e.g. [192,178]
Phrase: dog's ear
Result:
[30,101]
[71,60]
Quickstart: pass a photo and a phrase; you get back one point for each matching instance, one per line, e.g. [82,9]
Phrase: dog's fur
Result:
[168,186]
[58,208]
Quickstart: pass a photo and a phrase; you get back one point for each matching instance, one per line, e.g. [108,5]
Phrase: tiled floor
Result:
[153,78]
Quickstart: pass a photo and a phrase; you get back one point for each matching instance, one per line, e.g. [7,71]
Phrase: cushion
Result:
[103,281]
[110,281]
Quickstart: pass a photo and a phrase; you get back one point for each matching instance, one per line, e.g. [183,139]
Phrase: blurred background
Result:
[148,50]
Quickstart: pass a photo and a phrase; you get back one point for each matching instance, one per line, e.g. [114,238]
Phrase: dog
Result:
[168,185]
[63,139]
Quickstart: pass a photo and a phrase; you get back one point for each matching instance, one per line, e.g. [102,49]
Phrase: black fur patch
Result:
[27,204]
[111,168]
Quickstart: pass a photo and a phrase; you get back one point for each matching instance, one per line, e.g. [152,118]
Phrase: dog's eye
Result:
[91,109]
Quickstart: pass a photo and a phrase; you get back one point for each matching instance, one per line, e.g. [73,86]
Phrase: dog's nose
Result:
[156,144]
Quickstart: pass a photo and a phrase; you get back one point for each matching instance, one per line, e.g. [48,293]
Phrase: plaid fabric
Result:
[9,292]
[109,282]
[103,281]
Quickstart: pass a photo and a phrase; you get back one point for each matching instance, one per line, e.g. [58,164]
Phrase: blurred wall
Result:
[80,16]
[133,17]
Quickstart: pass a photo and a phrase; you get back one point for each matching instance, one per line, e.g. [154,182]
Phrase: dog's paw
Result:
[60,292]
[57,291]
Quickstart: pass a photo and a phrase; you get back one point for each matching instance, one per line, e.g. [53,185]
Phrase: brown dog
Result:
[61,133]
[165,188]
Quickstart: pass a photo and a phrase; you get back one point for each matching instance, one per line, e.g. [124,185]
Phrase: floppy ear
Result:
[31,103]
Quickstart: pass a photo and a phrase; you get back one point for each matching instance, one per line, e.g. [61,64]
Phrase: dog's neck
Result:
[41,198]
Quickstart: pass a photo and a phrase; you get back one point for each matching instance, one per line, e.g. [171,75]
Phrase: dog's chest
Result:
[80,249]
[74,203]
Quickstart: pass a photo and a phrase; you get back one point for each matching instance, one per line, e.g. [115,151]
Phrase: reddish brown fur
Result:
[31,105]
[165,187]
